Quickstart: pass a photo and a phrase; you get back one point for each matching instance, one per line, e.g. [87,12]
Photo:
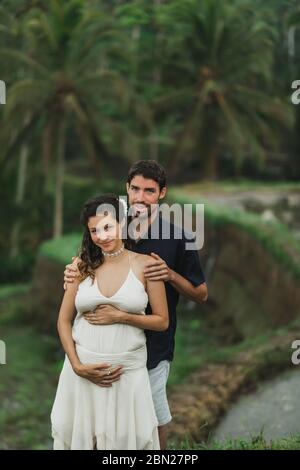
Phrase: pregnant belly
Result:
[107,338]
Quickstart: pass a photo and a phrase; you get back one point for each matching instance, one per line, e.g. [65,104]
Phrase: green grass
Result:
[27,388]
[62,249]
[192,347]
[8,290]
[196,345]
[12,303]
[275,237]
[234,186]
[29,379]
[255,443]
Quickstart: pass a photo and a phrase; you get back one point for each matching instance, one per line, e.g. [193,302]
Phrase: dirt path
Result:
[273,409]
[199,403]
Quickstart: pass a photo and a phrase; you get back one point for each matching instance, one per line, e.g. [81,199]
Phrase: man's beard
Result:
[142,214]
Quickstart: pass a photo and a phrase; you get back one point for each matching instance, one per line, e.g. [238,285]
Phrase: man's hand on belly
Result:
[104,315]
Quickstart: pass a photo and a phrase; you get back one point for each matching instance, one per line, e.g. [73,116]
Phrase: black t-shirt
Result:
[160,344]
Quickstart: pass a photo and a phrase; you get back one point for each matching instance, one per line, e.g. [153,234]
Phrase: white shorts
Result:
[158,381]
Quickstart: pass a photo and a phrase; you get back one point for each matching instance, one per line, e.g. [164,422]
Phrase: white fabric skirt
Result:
[86,416]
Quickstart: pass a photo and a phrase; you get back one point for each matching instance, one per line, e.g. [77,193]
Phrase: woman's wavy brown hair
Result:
[90,256]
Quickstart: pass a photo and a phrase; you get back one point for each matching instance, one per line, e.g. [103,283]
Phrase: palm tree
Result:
[220,64]
[10,35]
[70,81]
[292,30]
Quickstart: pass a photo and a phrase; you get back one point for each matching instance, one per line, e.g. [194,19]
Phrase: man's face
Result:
[142,193]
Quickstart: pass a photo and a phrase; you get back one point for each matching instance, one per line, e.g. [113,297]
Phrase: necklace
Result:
[115,253]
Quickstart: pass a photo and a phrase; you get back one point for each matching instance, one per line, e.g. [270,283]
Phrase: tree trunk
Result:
[59,180]
[209,146]
[210,171]
[20,194]
[154,145]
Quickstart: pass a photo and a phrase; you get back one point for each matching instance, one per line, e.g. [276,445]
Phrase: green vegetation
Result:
[198,348]
[197,344]
[28,382]
[255,443]
[12,289]
[273,236]
[62,249]
[202,86]
[239,185]
[29,379]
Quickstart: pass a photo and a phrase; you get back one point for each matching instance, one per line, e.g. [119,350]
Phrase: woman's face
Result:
[105,232]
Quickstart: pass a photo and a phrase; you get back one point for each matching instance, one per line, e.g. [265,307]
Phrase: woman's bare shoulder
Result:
[140,260]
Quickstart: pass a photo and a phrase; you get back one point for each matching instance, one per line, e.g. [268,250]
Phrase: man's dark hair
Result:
[149,169]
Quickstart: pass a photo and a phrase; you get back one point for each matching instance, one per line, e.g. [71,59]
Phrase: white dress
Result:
[87,416]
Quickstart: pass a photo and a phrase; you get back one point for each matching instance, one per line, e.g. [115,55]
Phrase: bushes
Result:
[35,216]
[18,269]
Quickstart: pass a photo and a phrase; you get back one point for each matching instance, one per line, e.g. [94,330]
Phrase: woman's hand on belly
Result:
[99,374]
[104,315]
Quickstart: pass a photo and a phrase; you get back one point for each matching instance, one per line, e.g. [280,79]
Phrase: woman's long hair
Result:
[91,256]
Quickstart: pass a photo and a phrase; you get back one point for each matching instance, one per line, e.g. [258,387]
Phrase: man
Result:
[178,267]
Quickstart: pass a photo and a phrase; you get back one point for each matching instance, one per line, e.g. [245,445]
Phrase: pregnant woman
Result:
[88,412]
